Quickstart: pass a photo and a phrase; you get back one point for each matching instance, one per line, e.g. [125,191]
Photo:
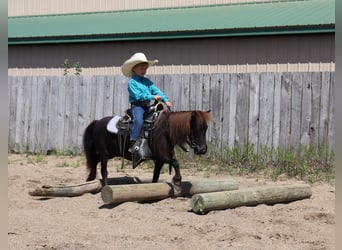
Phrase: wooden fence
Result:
[261,109]
[185,69]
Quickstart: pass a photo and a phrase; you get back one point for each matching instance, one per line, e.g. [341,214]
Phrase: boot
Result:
[130,149]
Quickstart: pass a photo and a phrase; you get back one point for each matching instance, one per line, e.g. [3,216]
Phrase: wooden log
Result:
[135,192]
[82,188]
[203,203]
[162,190]
[68,191]
[189,188]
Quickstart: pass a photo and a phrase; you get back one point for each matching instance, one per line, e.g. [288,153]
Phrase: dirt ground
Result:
[85,222]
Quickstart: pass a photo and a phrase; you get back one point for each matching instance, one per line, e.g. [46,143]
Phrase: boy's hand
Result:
[157,97]
[169,104]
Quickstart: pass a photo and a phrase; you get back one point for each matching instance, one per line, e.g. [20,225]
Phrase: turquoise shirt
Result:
[143,89]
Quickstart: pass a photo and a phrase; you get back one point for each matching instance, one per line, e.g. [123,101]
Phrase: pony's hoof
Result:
[176,181]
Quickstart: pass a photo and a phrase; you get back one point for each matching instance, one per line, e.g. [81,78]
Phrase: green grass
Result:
[306,163]
[36,159]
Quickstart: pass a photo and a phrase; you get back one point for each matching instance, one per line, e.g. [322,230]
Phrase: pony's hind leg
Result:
[91,175]
[104,172]
[91,165]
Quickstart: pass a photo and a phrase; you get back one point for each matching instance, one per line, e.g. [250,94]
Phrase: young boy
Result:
[141,91]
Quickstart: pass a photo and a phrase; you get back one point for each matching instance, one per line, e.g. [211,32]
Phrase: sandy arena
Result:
[84,222]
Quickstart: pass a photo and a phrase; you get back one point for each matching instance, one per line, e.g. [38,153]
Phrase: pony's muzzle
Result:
[200,150]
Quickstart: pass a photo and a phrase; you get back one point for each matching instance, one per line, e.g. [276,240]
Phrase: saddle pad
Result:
[111,126]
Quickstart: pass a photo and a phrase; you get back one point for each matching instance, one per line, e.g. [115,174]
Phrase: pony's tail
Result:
[89,146]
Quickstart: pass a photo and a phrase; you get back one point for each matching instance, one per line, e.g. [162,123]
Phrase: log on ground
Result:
[68,191]
[162,190]
[206,202]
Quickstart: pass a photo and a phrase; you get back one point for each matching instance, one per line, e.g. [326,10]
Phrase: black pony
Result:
[171,129]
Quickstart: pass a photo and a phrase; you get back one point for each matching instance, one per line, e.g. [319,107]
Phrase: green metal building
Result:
[247,33]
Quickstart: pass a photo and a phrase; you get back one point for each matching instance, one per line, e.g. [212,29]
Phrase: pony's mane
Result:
[179,123]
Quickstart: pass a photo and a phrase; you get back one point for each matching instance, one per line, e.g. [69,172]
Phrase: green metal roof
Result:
[276,17]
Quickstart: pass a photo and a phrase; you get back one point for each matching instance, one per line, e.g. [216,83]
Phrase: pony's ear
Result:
[208,115]
[193,117]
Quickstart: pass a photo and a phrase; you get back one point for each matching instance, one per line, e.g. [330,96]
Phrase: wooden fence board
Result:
[276,110]
[75,98]
[199,87]
[27,109]
[163,85]
[232,110]
[193,87]
[116,93]
[85,103]
[214,131]
[169,82]
[324,110]
[315,102]
[285,111]
[53,110]
[108,96]
[82,101]
[266,109]
[261,109]
[296,101]
[225,110]
[12,110]
[206,83]
[185,89]
[32,136]
[71,112]
[175,94]
[18,114]
[31,113]
[99,97]
[159,81]
[124,96]
[331,129]
[306,110]
[253,118]
[60,116]
[68,115]
[242,104]
[42,116]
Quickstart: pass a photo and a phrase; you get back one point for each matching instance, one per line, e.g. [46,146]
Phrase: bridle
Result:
[191,142]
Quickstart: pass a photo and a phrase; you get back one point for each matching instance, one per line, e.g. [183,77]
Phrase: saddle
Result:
[124,124]
[141,149]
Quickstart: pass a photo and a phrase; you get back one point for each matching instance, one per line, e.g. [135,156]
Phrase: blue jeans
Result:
[138,120]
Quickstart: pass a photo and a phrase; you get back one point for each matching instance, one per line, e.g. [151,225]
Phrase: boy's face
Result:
[140,69]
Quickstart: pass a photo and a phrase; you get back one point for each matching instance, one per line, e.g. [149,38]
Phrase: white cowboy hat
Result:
[137,58]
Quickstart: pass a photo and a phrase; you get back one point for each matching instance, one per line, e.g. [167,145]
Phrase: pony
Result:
[171,128]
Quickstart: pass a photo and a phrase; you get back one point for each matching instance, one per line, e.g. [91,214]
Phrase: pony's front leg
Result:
[157,168]
[177,178]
